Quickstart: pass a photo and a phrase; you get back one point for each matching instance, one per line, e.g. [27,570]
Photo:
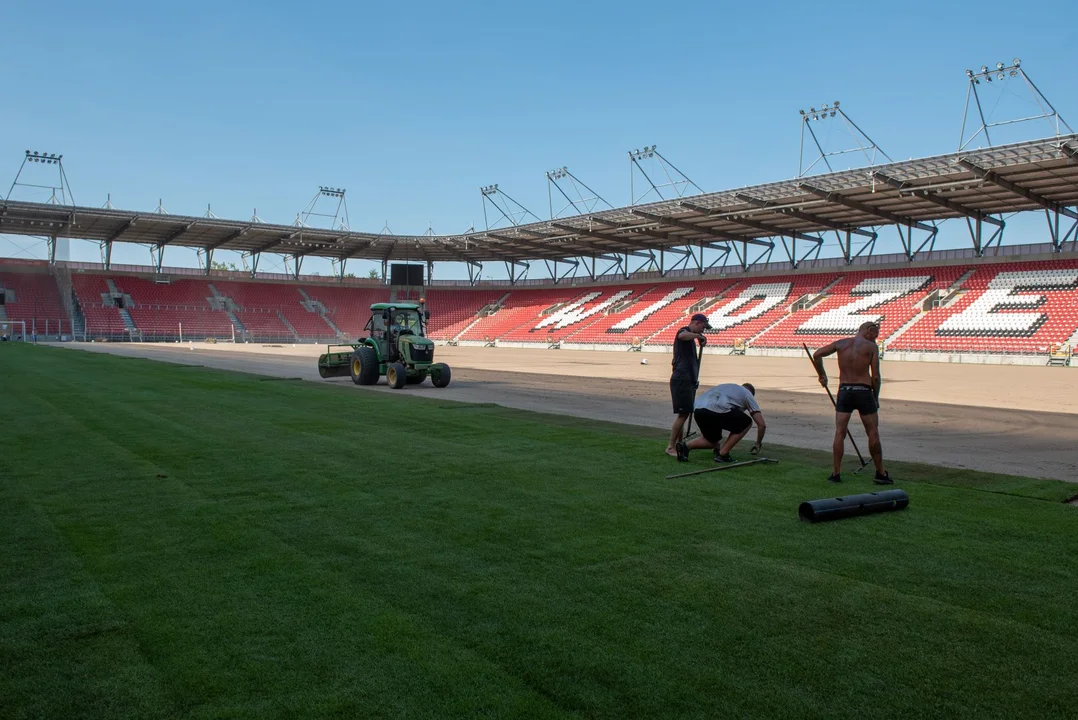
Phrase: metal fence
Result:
[193,322]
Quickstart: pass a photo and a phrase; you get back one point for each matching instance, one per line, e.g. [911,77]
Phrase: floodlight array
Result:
[46,158]
[823,113]
[999,72]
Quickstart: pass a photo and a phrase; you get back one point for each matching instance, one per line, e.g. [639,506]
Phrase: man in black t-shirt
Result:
[685,377]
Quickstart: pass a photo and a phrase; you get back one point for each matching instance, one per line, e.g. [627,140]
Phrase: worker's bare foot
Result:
[671,452]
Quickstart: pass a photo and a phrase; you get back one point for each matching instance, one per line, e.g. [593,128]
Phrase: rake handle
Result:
[835,404]
[699,359]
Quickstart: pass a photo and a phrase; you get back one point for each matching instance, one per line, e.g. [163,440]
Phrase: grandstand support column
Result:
[157,256]
[475,271]
[907,240]
[685,255]
[573,266]
[430,270]
[52,249]
[207,259]
[815,245]
[742,257]
[297,264]
[976,233]
[511,267]
[1054,229]
[342,267]
[847,247]
[106,254]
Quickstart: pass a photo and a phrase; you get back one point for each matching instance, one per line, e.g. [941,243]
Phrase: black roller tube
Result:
[814,511]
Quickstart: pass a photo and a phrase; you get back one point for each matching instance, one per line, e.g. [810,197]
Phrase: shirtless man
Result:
[858,389]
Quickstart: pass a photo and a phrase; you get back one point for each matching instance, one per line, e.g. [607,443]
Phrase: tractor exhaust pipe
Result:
[814,511]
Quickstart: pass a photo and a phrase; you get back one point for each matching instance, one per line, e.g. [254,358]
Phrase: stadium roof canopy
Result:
[914,194]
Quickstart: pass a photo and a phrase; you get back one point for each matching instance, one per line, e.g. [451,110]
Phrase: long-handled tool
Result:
[689,434]
[722,467]
[848,433]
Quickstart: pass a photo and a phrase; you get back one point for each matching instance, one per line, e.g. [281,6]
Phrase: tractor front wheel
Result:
[440,375]
[364,366]
[396,374]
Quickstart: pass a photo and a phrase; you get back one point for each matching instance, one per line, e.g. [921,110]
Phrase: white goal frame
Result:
[14,330]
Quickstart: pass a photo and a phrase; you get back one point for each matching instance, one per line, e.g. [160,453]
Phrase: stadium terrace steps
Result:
[1010,307]
[348,308]
[165,310]
[1014,307]
[898,333]
[62,275]
[522,308]
[661,327]
[284,321]
[129,323]
[883,296]
[35,300]
[452,312]
[101,317]
[3,313]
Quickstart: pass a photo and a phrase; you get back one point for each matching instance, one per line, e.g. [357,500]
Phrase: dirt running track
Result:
[975,421]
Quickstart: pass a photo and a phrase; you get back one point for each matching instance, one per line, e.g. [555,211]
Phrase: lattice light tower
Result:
[833,115]
[53,180]
[338,218]
[59,189]
[1001,76]
[577,195]
[676,183]
[508,209]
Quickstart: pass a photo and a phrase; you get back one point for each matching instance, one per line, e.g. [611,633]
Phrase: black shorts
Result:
[856,397]
[712,424]
[683,393]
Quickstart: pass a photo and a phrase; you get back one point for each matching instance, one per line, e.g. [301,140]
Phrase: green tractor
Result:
[396,347]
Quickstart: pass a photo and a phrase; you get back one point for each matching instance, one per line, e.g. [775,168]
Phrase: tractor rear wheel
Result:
[364,366]
[396,375]
[440,375]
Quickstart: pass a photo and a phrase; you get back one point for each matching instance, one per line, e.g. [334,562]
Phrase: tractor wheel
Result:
[364,366]
[440,375]
[396,375]
[416,379]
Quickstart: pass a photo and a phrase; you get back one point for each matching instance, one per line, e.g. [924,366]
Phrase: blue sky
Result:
[413,106]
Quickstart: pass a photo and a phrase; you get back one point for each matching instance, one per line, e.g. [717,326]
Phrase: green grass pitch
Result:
[177,542]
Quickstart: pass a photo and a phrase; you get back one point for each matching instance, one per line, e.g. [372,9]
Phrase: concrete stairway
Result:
[288,325]
[316,306]
[227,305]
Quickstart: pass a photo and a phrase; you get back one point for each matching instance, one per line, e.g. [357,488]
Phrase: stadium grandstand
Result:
[1010,305]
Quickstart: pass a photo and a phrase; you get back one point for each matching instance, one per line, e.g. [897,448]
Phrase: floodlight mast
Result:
[62,186]
[338,204]
[677,182]
[59,190]
[509,210]
[1004,73]
[582,204]
[862,142]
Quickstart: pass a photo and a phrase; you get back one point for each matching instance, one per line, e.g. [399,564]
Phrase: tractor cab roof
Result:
[398,306]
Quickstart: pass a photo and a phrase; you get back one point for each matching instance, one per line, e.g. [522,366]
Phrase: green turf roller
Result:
[853,505]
